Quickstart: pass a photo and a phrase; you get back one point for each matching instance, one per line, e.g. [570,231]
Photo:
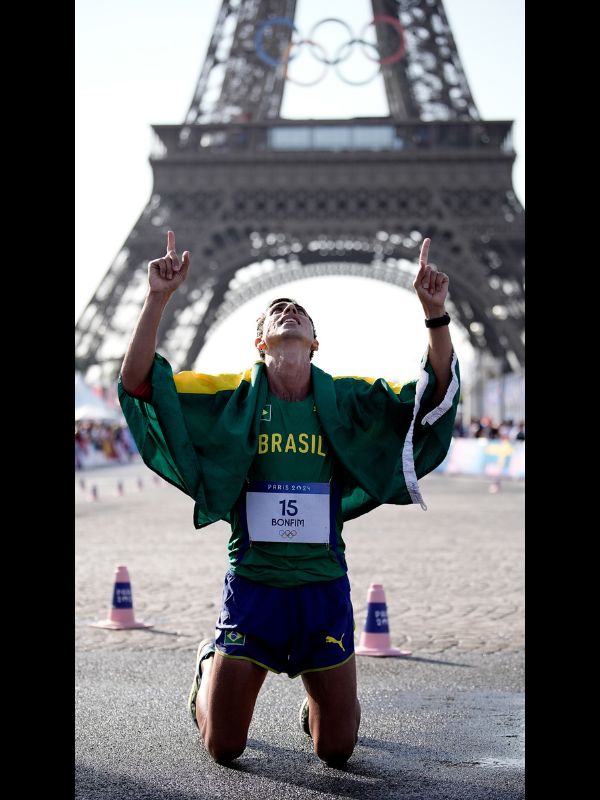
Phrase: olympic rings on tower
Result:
[259,35]
[399,30]
[314,28]
[319,52]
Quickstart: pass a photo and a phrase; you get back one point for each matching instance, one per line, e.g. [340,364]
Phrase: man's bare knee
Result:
[224,752]
[335,757]
[334,754]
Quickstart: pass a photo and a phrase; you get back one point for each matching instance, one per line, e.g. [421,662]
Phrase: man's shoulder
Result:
[353,384]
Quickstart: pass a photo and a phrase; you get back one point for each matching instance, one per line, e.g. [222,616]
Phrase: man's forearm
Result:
[431,287]
[440,358]
[140,353]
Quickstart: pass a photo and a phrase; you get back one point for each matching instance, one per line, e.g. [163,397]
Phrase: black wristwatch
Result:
[437,322]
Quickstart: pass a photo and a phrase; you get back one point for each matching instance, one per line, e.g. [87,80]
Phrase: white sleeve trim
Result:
[446,403]
[408,462]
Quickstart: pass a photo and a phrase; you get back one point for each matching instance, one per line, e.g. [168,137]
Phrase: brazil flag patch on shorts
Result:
[233,637]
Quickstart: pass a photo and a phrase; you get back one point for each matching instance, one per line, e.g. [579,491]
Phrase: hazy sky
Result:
[137,64]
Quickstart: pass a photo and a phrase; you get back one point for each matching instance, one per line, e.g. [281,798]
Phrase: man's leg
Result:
[333,712]
[225,704]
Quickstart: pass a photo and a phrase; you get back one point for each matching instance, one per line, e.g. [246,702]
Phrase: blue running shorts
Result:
[294,629]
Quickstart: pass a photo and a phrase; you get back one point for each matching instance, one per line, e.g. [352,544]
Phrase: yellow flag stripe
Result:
[198,383]
[395,387]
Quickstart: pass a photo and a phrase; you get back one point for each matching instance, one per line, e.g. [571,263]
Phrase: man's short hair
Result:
[261,320]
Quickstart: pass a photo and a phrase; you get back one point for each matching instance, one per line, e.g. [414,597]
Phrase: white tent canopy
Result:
[88,406]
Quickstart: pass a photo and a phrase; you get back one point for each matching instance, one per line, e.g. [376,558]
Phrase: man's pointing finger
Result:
[170,241]
[424,252]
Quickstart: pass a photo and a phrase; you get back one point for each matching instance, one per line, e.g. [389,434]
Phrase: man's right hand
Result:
[166,274]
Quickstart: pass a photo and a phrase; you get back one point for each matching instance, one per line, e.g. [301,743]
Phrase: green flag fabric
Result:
[200,433]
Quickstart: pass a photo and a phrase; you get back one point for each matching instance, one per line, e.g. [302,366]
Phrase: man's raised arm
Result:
[431,287]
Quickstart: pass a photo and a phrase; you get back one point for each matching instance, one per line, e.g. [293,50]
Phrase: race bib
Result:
[288,512]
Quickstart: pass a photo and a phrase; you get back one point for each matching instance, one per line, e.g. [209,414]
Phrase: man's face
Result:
[287,320]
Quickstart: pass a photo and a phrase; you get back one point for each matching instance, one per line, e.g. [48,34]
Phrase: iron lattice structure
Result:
[260,200]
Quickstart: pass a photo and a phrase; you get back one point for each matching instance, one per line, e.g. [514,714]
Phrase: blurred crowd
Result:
[98,443]
[103,443]
[486,428]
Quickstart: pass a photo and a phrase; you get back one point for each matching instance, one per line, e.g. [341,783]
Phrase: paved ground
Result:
[445,723]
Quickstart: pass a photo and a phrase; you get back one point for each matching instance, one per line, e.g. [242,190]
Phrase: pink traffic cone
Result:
[121,614]
[375,638]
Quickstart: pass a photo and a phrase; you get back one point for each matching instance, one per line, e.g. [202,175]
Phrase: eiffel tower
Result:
[260,200]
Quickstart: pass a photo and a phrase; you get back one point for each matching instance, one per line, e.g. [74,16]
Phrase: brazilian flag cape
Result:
[200,433]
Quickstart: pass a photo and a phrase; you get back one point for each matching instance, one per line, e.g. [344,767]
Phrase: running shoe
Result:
[205,649]
[303,717]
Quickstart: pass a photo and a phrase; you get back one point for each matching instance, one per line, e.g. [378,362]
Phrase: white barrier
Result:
[497,458]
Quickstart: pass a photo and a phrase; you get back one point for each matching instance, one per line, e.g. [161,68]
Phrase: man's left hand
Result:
[430,285]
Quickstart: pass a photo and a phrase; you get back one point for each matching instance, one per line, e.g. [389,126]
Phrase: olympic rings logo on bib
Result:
[287,534]
[318,51]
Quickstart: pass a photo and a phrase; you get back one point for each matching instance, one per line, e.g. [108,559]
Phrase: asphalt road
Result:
[446,722]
